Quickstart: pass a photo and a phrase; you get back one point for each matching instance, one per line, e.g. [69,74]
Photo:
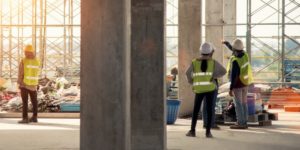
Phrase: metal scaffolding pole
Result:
[248,34]
[1,40]
[283,40]
[65,40]
[278,40]
[34,24]
[44,44]
[19,35]
[71,33]
[27,21]
[10,41]
[41,34]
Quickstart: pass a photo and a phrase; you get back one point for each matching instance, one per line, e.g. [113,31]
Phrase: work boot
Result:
[238,127]
[191,133]
[208,135]
[23,121]
[33,119]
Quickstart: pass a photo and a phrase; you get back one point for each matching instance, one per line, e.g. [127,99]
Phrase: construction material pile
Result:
[51,94]
[285,96]
[255,98]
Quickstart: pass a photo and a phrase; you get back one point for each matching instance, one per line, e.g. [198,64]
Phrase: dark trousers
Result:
[197,105]
[33,97]
[204,113]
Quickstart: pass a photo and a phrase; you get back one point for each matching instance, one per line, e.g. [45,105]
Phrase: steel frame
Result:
[281,54]
[51,26]
[277,54]
[172,47]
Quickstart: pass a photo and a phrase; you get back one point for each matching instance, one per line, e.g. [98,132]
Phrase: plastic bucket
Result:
[173,108]
[251,104]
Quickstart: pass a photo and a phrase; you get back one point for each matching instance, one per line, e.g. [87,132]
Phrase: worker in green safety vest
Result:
[240,76]
[202,75]
[29,70]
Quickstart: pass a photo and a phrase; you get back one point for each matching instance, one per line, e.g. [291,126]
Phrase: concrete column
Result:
[189,43]
[214,28]
[105,60]
[147,75]
[229,17]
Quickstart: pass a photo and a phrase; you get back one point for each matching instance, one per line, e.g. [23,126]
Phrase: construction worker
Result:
[29,69]
[240,77]
[202,74]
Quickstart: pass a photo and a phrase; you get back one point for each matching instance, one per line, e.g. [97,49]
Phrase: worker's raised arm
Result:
[227,44]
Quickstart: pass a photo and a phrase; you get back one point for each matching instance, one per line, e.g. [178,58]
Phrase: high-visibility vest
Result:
[31,71]
[202,81]
[246,76]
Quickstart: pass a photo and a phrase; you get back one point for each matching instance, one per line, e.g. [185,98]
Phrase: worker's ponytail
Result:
[204,65]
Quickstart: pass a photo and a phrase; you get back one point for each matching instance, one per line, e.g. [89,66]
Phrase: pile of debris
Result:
[51,94]
[254,93]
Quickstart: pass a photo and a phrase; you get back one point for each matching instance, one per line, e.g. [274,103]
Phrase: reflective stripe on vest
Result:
[245,65]
[31,66]
[202,81]
[31,71]
[245,69]
[32,78]
[202,74]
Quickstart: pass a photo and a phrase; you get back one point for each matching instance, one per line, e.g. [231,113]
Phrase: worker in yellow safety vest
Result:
[202,75]
[240,76]
[29,70]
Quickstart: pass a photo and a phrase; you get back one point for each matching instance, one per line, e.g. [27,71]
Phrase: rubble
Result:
[51,93]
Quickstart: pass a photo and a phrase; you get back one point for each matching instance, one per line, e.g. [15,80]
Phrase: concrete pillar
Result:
[105,60]
[214,28]
[147,75]
[189,43]
[229,17]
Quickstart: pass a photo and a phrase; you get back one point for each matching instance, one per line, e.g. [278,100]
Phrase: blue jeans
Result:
[241,107]
[204,113]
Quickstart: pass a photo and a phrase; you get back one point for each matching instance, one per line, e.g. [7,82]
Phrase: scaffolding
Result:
[51,26]
[269,27]
[278,39]
[171,34]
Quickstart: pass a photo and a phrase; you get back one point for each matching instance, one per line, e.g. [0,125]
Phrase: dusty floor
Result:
[63,134]
[282,135]
[48,134]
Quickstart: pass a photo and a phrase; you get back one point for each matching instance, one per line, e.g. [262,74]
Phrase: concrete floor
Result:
[48,134]
[282,135]
[63,134]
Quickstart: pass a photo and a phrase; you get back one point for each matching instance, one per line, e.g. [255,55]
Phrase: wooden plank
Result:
[265,123]
[263,117]
[273,116]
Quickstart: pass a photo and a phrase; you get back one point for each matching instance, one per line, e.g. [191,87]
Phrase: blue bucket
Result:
[251,104]
[68,107]
[173,108]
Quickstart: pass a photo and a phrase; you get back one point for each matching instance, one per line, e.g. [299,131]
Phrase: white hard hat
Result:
[206,48]
[238,45]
